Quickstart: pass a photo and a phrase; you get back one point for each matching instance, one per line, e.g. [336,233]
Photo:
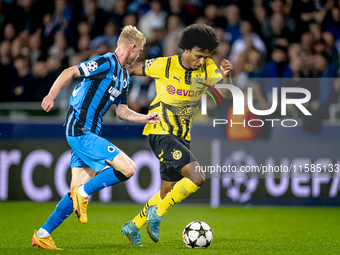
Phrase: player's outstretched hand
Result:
[226,67]
[47,103]
[153,117]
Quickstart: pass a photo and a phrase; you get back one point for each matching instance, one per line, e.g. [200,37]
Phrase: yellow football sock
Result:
[140,219]
[180,191]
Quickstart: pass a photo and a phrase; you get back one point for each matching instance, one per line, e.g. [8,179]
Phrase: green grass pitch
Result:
[237,230]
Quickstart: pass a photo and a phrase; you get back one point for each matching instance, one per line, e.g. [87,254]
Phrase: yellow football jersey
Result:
[178,95]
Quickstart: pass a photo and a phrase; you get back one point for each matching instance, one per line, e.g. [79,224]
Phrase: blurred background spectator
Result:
[264,39]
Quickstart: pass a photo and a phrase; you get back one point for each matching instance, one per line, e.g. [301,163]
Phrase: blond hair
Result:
[131,34]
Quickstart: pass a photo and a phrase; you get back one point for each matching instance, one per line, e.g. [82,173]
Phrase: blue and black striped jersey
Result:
[105,83]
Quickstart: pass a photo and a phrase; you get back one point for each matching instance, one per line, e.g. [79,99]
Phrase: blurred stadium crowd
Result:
[274,39]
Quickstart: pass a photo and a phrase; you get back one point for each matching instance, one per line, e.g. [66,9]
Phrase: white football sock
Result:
[82,191]
[42,233]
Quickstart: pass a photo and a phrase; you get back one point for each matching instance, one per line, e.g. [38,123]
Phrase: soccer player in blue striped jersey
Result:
[106,82]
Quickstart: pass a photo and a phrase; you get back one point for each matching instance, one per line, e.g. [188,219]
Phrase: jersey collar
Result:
[180,62]
[115,56]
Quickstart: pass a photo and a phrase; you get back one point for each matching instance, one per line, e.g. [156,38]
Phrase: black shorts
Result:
[173,153]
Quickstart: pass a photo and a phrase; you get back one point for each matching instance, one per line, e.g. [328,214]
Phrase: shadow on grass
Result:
[99,245]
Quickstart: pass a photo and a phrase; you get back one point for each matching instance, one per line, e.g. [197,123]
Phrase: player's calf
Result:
[80,193]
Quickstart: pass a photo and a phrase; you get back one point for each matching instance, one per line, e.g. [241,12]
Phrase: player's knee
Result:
[165,191]
[198,178]
[130,169]
[199,181]
[163,194]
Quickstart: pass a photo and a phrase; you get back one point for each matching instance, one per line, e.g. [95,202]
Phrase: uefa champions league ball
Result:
[92,66]
[197,234]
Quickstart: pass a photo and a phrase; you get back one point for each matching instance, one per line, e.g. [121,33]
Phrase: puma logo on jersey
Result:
[178,79]
[160,156]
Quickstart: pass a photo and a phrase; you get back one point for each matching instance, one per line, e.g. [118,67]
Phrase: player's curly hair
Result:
[200,36]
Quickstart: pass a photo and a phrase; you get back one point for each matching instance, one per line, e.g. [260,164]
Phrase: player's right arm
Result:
[61,81]
[151,67]
[124,113]
[136,69]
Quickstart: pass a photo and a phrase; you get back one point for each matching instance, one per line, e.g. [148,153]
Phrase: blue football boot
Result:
[153,223]
[131,231]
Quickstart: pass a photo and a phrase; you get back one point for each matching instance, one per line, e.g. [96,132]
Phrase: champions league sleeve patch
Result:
[92,66]
[149,62]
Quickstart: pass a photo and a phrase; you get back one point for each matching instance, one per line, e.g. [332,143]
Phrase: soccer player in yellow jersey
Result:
[175,102]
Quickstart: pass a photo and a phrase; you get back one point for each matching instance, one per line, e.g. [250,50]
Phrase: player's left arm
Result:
[226,68]
[125,113]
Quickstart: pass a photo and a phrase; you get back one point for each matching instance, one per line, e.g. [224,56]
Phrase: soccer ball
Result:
[197,234]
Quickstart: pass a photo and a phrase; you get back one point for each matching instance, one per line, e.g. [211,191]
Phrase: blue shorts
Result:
[91,150]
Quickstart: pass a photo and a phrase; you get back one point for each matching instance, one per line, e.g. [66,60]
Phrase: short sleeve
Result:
[153,67]
[95,67]
[213,73]
[125,92]
[125,95]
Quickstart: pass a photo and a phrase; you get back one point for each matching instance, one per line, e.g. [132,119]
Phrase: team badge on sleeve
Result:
[149,62]
[92,66]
